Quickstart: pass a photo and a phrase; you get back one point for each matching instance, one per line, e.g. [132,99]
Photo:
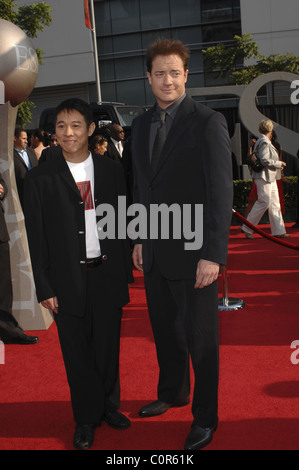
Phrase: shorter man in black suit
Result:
[83,280]
[10,331]
[24,160]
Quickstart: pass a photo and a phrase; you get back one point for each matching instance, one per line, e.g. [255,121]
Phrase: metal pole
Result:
[228,303]
[96,58]
[225,287]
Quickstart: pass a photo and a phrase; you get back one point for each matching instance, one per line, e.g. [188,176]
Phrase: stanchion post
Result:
[224,287]
[228,303]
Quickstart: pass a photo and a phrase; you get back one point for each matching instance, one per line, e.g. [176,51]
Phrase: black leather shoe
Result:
[116,420]
[84,436]
[199,437]
[158,408]
[22,339]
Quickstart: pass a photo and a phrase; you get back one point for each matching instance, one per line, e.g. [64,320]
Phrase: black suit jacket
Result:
[4,236]
[112,151]
[195,168]
[48,153]
[55,223]
[21,170]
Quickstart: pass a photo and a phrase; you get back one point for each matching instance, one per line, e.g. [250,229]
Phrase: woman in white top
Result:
[265,180]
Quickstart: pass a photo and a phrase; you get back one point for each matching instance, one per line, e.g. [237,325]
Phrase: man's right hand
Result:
[137,257]
[51,304]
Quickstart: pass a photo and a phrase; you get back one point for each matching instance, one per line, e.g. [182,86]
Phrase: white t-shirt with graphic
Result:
[83,174]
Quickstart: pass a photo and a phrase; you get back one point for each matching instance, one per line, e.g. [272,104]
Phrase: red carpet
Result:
[259,385]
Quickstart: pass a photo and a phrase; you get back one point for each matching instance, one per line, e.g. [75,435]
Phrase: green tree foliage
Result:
[31,19]
[242,63]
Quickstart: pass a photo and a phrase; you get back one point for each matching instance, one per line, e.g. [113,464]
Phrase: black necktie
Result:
[160,139]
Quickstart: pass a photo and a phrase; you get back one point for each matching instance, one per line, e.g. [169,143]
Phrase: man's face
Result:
[167,79]
[21,142]
[72,134]
[118,133]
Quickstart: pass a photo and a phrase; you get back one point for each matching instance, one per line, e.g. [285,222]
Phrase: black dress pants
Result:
[185,324]
[9,327]
[90,348]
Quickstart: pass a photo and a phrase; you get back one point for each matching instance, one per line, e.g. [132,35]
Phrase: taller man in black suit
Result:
[193,168]
[82,279]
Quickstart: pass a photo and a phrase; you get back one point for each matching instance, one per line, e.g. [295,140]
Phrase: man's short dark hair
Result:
[18,131]
[167,47]
[76,104]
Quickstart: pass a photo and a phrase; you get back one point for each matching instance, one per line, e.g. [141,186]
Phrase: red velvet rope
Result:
[266,235]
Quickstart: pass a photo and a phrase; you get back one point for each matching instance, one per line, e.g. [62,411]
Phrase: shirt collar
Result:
[20,151]
[170,110]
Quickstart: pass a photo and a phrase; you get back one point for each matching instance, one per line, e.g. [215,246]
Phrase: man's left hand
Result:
[206,273]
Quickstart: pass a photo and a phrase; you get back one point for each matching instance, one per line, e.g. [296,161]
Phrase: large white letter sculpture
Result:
[18,75]
[248,112]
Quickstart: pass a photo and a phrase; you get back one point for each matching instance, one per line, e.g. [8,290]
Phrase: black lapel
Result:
[64,172]
[66,175]
[18,157]
[144,138]
[98,176]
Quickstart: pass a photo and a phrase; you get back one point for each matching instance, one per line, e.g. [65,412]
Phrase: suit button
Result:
[81,232]
[82,262]
[104,257]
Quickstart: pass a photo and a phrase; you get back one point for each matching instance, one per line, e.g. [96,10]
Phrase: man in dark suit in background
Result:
[10,331]
[119,149]
[24,160]
[192,166]
[115,143]
[84,281]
